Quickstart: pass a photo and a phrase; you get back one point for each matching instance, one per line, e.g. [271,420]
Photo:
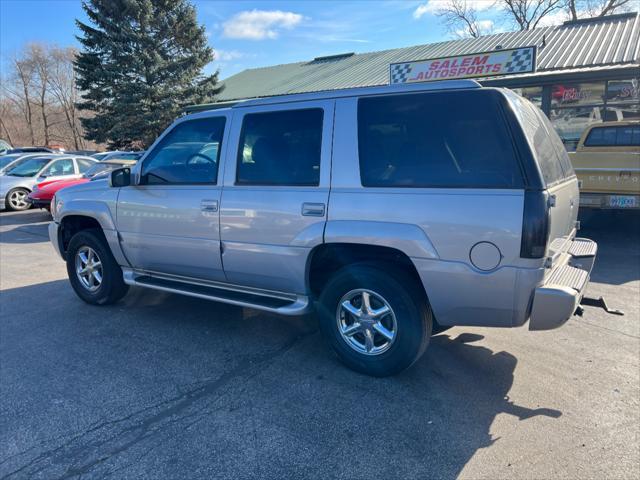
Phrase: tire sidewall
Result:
[413,319]
[93,240]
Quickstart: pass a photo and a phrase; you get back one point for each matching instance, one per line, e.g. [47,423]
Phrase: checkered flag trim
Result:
[521,61]
[400,72]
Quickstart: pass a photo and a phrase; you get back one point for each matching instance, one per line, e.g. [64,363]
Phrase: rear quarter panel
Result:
[452,221]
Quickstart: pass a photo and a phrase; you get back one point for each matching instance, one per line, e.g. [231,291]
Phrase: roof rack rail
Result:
[209,106]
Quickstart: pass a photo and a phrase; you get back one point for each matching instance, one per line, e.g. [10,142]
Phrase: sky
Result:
[250,34]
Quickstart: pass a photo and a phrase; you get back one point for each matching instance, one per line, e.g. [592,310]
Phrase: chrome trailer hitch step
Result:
[596,302]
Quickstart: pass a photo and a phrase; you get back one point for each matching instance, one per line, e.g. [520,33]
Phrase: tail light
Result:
[536,225]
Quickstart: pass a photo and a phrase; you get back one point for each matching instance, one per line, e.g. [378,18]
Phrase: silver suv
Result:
[395,212]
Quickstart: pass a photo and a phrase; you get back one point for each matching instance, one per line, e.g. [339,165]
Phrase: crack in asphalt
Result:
[82,458]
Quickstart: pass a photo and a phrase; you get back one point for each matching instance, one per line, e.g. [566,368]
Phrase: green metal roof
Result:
[598,42]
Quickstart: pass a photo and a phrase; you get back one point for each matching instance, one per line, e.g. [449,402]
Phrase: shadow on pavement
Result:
[180,386]
[23,218]
[24,234]
[618,236]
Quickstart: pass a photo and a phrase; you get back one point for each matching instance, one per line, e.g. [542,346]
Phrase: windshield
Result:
[100,169]
[29,168]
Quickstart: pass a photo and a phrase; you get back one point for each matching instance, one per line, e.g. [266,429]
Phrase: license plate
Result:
[622,201]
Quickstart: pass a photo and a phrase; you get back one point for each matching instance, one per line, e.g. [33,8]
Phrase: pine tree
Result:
[140,64]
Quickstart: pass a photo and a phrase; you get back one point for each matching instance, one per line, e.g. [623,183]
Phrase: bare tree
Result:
[62,86]
[596,8]
[461,19]
[527,14]
[39,57]
[4,113]
[38,96]
[18,90]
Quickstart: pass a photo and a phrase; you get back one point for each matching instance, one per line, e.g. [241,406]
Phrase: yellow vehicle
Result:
[607,162]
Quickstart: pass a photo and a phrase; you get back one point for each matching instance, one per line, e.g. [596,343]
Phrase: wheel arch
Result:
[327,258]
[74,222]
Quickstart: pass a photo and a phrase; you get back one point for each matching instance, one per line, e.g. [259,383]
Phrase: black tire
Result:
[10,201]
[408,303]
[437,328]
[112,287]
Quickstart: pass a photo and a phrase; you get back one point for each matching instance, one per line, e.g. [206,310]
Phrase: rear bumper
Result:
[610,201]
[556,300]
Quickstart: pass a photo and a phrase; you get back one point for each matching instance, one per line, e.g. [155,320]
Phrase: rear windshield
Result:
[618,136]
[445,139]
[547,146]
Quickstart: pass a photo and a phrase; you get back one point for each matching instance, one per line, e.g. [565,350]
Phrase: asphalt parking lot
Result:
[163,386]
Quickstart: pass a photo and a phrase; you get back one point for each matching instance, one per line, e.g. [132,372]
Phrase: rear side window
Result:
[445,139]
[547,146]
[280,148]
[622,136]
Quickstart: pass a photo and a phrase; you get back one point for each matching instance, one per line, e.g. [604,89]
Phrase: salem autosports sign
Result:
[486,64]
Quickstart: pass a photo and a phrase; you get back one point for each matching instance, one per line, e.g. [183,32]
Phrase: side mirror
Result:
[120,177]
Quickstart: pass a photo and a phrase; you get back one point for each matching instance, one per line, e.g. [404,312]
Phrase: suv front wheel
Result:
[377,321]
[94,274]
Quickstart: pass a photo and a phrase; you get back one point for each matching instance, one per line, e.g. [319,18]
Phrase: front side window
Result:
[188,154]
[280,148]
[622,136]
[59,168]
[444,139]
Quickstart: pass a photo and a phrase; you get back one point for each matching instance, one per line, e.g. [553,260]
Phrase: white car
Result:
[20,180]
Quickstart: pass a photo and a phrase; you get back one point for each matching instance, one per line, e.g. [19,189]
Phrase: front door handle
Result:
[209,205]
[313,209]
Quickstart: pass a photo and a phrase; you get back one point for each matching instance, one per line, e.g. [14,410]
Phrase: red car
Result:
[43,193]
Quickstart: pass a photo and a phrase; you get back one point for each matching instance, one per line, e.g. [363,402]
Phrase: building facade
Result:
[586,71]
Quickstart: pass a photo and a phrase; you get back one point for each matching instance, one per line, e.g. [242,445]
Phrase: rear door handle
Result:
[209,205]
[313,209]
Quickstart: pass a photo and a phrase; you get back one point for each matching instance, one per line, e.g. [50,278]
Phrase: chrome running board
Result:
[276,302]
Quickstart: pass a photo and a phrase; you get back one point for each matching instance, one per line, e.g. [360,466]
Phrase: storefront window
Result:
[574,105]
[617,113]
[571,122]
[574,94]
[533,94]
[623,91]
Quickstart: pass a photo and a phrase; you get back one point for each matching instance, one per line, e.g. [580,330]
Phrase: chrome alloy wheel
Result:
[366,322]
[18,200]
[88,268]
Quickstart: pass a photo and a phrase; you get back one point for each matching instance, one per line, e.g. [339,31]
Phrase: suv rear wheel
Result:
[377,321]
[94,274]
